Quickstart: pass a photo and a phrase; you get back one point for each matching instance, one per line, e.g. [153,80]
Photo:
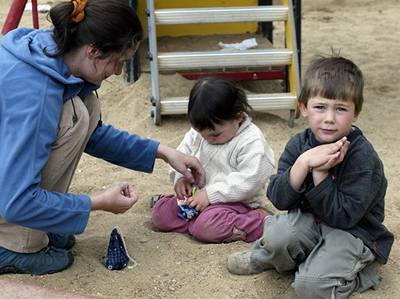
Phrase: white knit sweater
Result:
[236,171]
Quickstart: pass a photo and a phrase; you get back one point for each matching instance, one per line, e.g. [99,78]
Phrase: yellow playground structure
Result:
[204,18]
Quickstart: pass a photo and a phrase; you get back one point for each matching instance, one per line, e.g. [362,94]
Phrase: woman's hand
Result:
[189,166]
[117,199]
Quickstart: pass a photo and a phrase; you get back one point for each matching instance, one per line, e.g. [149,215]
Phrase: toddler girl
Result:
[237,160]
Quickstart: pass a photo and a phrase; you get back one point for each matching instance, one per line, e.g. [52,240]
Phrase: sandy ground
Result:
[175,266]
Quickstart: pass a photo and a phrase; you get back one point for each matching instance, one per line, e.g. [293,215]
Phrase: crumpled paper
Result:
[243,45]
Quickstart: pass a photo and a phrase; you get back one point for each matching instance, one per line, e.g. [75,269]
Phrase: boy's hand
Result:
[326,156]
[318,159]
[199,200]
[183,187]
[116,199]
[336,158]
[320,173]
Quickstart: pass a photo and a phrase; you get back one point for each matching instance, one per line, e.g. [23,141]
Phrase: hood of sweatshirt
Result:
[31,46]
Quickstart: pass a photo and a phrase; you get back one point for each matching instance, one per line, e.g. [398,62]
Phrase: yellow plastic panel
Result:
[198,29]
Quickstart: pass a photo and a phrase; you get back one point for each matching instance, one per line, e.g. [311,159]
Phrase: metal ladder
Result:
[181,61]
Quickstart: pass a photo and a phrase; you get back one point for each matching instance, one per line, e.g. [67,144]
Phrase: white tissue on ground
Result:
[42,8]
[243,45]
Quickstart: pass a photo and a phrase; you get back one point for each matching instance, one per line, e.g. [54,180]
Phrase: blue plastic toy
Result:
[186,212]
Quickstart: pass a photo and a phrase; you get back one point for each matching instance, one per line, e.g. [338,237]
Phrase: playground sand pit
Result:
[175,266]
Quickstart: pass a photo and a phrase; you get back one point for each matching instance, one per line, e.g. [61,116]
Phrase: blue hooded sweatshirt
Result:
[33,89]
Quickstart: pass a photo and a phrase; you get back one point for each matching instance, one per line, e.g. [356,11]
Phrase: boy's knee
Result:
[306,288]
[290,229]
[273,241]
[314,287]
[278,233]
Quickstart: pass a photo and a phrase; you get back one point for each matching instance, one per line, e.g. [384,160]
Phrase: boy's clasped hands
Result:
[326,156]
[318,160]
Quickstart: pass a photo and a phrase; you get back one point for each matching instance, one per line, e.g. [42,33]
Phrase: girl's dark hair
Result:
[333,77]
[112,26]
[213,100]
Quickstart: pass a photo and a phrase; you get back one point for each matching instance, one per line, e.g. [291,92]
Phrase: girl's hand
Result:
[117,199]
[183,187]
[199,200]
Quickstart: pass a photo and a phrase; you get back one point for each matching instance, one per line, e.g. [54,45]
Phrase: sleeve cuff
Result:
[320,188]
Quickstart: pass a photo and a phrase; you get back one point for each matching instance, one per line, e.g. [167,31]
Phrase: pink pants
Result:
[222,222]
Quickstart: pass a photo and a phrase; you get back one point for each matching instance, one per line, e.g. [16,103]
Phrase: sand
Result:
[175,266]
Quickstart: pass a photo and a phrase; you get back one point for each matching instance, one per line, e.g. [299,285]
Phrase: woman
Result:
[49,115]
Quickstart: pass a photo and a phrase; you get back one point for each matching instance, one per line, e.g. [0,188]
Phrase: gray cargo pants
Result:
[329,262]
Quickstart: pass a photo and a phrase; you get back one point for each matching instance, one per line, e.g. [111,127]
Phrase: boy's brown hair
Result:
[333,77]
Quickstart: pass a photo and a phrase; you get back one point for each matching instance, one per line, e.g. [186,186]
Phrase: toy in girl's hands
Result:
[186,212]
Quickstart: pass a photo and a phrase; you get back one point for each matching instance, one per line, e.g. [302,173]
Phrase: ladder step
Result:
[221,14]
[223,59]
[259,102]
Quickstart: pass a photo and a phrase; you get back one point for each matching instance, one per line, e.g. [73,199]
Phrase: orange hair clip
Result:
[78,13]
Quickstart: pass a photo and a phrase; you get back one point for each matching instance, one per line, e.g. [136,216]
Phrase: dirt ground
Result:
[175,266]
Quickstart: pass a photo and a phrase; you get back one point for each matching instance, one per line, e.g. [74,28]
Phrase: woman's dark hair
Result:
[213,100]
[112,26]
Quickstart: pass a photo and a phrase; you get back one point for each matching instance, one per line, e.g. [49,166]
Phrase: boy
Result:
[331,181]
